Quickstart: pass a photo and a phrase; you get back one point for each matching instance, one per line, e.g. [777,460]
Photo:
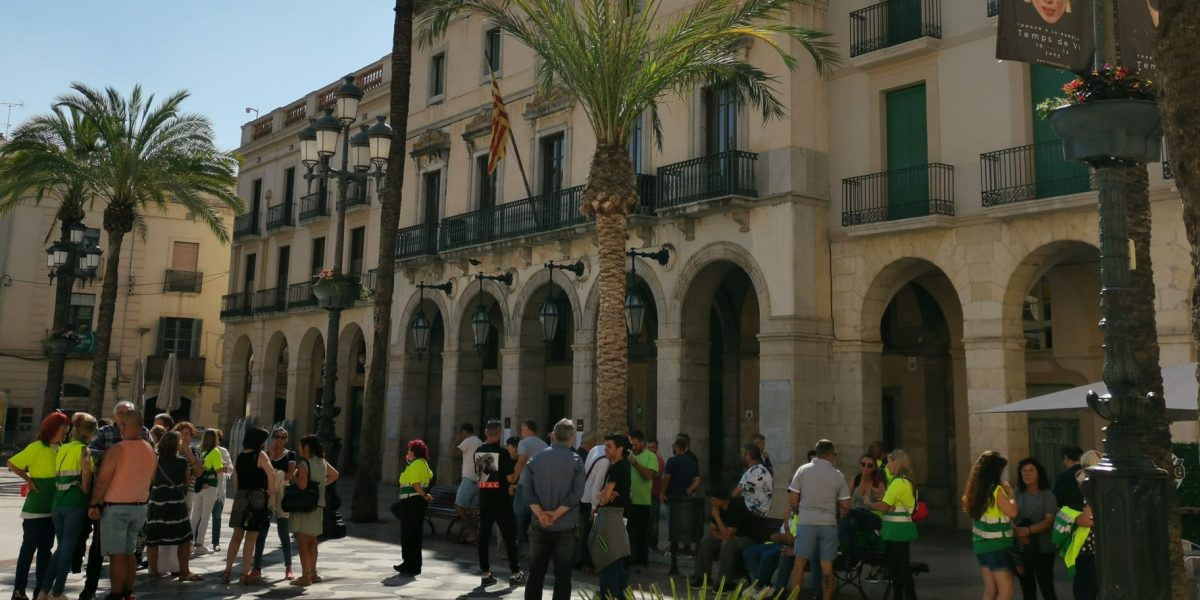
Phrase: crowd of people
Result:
[148,494]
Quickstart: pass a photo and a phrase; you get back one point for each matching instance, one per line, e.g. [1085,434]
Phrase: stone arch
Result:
[647,272]
[432,299]
[353,351]
[1026,273]
[277,360]
[713,255]
[891,278]
[238,381]
[564,282]
[307,366]
[458,323]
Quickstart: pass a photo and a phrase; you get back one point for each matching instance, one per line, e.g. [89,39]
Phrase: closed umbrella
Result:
[168,391]
[137,385]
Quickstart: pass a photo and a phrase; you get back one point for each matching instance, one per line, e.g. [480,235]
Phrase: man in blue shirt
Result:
[553,484]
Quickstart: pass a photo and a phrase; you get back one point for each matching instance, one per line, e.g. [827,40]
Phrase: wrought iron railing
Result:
[299,295]
[893,22]
[730,173]
[239,304]
[244,225]
[356,195]
[314,205]
[279,215]
[993,8]
[538,214]
[418,240]
[270,300]
[1031,172]
[898,194]
[368,279]
[189,282]
[294,115]
[647,188]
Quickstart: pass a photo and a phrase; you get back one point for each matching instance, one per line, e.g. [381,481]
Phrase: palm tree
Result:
[618,60]
[151,156]
[370,457]
[49,157]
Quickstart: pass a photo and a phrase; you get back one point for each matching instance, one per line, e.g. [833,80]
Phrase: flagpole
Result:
[511,138]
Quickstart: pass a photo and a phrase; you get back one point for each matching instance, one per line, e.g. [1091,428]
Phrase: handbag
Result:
[921,512]
[296,500]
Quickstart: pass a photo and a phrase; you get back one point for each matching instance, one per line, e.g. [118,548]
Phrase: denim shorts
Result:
[468,494]
[120,525]
[996,561]
[816,542]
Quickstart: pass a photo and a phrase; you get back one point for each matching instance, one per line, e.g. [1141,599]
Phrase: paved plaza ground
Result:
[360,566]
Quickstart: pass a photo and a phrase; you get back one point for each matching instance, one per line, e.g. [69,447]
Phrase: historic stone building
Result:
[907,248]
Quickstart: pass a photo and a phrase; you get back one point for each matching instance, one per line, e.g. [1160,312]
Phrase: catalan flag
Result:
[499,128]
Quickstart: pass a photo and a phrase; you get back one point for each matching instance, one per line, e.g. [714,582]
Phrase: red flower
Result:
[1071,86]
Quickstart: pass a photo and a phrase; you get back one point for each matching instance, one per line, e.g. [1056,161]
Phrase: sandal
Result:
[315,578]
[300,582]
[225,578]
[189,576]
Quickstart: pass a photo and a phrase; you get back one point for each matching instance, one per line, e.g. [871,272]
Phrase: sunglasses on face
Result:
[868,465]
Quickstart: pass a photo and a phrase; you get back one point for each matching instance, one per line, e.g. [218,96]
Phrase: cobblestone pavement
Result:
[360,566]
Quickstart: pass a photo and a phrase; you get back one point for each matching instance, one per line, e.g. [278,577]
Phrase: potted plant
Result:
[62,342]
[334,290]
[1108,114]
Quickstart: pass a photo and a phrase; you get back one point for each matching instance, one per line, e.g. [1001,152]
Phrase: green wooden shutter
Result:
[1053,175]
[903,21]
[907,153]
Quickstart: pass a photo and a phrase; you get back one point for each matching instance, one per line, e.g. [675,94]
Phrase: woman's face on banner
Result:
[1152,6]
[1050,10]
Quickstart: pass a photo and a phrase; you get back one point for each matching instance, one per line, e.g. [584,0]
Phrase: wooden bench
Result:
[442,507]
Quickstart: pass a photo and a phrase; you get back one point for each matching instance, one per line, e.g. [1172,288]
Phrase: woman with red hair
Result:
[414,497]
[35,465]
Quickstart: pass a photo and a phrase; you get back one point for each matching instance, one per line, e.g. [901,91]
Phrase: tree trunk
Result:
[1179,101]
[370,466]
[62,312]
[104,321]
[611,194]
[1144,342]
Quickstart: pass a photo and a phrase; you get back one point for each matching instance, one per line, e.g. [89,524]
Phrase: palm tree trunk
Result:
[1178,63]
[104,321]
[370,466]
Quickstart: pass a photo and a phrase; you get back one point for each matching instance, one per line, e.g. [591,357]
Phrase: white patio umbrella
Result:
[137,385]
[168,391]
[1179,387]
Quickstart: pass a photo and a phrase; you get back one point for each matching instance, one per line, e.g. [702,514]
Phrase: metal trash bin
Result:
[685,525]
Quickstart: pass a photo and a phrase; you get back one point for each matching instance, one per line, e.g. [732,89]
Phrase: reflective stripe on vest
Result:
[68,471]
[897,517]
[990,535]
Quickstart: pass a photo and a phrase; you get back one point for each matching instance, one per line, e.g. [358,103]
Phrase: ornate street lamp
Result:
[481,321]
[69,259]
[420,325]
[549,313]
[635,305]
[318,145]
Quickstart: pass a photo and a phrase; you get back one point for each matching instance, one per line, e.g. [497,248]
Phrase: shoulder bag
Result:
[301,500]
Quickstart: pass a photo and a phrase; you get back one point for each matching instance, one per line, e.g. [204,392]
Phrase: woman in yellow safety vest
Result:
[72,484]
[35,466]
[897,529]
[988,499]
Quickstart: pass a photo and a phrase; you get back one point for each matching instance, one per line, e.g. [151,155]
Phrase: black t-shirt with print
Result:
[493,465]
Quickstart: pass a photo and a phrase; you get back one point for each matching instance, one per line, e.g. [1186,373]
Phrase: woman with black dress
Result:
[253,478]
[167,520]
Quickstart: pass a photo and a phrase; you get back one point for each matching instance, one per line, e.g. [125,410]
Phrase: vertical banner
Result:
[1137,24]
[1055,33]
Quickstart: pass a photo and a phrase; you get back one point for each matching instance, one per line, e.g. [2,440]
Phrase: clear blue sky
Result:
[230,54]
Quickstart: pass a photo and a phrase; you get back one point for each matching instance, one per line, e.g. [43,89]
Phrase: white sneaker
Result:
[200,549]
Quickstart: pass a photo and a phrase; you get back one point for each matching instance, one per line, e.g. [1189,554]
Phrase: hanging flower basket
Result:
[61,342]
[334,290]
[1128,130]
[1110,113]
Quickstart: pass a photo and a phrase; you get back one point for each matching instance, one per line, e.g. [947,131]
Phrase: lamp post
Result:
[635,305]
[362,157]
[481,322]
[549,313]
[420,325]
[69,259]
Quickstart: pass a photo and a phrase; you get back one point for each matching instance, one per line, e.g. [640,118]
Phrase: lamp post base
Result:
[1129,507]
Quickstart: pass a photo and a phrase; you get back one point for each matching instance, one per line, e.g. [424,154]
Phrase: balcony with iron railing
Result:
[300,295]
[1031,172]
[314,205]
[539,214]
[730,173]
[279,216]
[356,195]
[893,23]
[294,115]
[245,225]
[239,304]
[271,300]
[417,240]
[907,193]
[188,282]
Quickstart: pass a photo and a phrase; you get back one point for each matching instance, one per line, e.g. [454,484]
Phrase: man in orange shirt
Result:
[119,499]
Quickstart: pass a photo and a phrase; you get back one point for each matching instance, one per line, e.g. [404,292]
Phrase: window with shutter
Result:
[179,336]
[185,256]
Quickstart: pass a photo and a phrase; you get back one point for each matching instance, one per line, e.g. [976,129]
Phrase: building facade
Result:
[904,250]
[168,299]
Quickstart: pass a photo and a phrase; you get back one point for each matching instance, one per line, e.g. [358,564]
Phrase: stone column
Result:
[583,385]
[298,378]
[460,400]
[406,387]
[683,393]
[856,378]
[995,376]
[522,387]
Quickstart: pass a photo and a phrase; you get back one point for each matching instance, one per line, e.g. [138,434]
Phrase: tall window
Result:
[179,336]
[431,182]
[552,163]
[83,308]
[635,146]
[358,241]
[485,184]
[720,121]
[289,185]
[185,256]
[256,197]
[283,260]
[491,50]
[318,255]
[1036,317]
[437,75]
